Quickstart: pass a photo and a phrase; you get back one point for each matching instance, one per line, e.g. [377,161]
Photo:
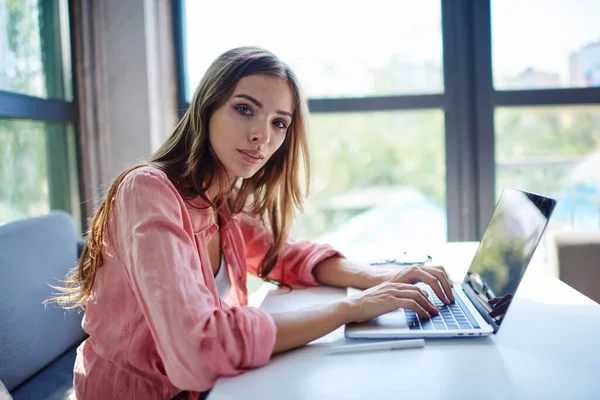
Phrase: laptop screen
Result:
[514,231]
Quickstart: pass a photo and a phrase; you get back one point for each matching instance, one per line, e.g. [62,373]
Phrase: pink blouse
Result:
[155,321]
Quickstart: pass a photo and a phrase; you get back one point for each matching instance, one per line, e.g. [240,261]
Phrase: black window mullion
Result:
[22,106]
[56,135]
[461,183]
[84,209]
[483,111]
[547,97]
[180,56]
[376,103]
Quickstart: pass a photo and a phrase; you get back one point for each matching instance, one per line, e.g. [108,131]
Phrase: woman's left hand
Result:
[340,272]
[434,276]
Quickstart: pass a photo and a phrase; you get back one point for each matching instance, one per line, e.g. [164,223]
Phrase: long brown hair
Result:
[272,195]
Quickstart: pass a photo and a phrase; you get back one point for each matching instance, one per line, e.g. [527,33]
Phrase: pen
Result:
[393,345]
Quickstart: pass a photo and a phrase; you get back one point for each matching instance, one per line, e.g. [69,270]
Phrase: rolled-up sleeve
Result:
[296,261]
[196,339]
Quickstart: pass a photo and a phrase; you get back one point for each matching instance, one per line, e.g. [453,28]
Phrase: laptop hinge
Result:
[476,302]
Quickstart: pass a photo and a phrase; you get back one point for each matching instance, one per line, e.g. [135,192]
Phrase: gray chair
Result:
[37,343]
[575,258]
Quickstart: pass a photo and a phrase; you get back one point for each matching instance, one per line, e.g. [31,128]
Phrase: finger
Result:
[442,269]
[440,273]
[443,279]
[411,304]
[418,295]
[420,299]
[414,288]
[422,275]
[410,286]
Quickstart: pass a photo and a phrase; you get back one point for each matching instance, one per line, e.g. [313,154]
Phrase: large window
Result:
[422,112]
[38,159]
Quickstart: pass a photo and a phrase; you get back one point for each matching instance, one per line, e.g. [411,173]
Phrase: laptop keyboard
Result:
[451,316]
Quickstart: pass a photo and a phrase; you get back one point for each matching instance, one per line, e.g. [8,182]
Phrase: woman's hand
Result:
[434,276]
[388,288]
[387,297]
[337,271]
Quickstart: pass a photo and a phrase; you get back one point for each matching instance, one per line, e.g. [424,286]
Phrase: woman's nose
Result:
[260,134]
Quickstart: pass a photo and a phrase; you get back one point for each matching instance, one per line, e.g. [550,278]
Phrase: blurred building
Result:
[535,79]
[584,66]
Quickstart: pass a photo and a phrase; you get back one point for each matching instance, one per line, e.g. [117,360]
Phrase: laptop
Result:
[484,295]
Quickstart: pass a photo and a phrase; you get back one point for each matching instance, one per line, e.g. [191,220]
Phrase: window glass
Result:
[540,44]
[378,178]
[35,48]
[337,48]
[38,169]
[553,151]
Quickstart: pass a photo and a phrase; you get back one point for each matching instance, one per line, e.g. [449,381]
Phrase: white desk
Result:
[547,348]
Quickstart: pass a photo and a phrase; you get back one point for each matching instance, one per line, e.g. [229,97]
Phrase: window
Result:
[38,161]
[443,101]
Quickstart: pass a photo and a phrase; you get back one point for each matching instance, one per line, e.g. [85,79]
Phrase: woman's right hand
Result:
[387,297]
[296,328]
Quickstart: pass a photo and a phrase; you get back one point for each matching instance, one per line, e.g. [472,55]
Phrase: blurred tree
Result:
[535,149]
[22,146]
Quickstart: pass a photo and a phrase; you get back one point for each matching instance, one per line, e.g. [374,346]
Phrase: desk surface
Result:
[548,347]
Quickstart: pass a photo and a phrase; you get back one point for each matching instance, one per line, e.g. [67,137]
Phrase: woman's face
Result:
[251,125]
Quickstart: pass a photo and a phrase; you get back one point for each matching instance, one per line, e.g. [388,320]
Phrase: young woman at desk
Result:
[162,277]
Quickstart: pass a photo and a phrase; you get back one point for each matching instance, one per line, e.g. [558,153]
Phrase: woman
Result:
[162,275]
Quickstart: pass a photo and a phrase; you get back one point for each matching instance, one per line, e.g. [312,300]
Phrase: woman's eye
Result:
[244,110]
[280,124]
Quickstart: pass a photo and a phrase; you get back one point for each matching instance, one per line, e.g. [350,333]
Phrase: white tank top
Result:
[222,279]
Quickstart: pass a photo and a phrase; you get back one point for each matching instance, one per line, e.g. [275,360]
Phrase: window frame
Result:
[52,110]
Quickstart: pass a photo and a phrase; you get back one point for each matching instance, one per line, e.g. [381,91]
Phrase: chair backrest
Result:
[575,258]
[35,253]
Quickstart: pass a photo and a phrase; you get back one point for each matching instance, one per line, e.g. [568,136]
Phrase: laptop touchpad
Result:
[394,319]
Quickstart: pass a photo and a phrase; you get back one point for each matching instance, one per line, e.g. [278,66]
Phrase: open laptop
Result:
[484,295]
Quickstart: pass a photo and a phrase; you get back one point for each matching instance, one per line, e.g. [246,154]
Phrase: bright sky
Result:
[541,33]
[334,44]
[312,35]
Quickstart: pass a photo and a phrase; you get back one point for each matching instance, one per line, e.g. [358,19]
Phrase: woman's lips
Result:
[251,156]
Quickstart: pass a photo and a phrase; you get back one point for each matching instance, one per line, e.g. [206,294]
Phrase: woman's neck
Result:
[212,193]
[215,191]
